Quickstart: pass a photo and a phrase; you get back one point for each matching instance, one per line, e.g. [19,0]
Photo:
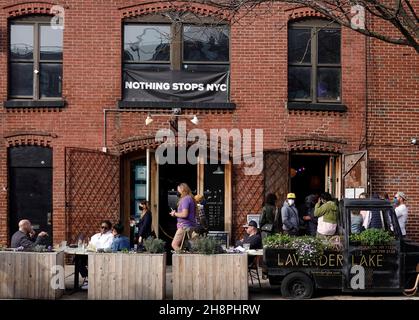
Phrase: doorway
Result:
[170,176]
[308,176]
[30,196]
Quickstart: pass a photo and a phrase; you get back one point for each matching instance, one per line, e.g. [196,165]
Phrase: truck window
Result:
[361,220]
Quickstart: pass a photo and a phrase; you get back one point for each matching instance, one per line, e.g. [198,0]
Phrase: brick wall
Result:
[92,75]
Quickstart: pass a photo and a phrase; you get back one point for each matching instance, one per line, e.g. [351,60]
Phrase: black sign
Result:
[214,197]
[175,86]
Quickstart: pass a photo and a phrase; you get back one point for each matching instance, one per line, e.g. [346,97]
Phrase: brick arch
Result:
[316,144]
[303,12]
[30,139]
[26,8]
[142,143]
[161,6]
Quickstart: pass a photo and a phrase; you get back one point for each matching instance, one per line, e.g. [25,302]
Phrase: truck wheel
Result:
[297,285]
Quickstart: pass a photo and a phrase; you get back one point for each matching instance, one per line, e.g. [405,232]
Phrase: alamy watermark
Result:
[196,145]
[57,21]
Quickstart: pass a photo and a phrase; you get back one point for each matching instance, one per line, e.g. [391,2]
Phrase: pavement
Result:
[265,292]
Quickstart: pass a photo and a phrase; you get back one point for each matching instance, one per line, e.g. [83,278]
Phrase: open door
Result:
[92,191]
[276,169]
[355,174]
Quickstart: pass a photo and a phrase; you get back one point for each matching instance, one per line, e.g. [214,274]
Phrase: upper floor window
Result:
[314,61]
[175,61]
[35,59]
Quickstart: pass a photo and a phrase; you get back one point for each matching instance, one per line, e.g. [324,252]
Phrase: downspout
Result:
[369,186]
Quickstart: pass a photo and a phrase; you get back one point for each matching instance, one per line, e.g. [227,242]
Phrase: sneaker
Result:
[85,285]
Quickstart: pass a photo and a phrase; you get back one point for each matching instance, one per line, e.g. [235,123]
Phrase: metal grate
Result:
[92,191]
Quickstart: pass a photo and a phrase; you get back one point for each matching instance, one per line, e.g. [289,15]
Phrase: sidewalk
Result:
[266,292]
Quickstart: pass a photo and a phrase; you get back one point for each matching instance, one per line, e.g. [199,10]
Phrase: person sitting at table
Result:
[252,237]
[120,242]
[25,236]
[101,241]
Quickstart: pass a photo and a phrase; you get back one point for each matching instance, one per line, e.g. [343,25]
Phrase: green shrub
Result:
[205,245]
[153,245]
[277,240]
[372,237]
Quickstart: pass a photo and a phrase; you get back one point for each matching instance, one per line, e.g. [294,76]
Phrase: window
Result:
[314,67]
[205,47]
[164,61]
[35,59]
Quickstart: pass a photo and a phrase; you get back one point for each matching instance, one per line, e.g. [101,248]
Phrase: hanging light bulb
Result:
[219,170]
[148,120]
[195,120]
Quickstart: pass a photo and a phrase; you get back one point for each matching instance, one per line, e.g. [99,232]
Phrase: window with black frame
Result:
[175,62]
[206,48]
[146,47]
[35,60]
[314,62]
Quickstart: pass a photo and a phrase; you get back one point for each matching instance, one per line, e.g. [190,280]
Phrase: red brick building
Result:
[339,95]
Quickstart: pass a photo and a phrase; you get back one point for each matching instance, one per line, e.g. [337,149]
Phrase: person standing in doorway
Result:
[185,215]
[290,218]
[401,210]
[327,212]
[267,218]
[309,218]
[144,226]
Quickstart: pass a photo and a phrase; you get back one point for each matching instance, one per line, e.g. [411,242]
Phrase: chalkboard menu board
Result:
[214,196]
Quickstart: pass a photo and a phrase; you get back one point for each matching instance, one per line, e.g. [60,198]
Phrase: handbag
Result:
[268,227]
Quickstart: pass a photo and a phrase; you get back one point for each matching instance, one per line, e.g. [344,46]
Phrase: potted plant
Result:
[129,275]
[206,273]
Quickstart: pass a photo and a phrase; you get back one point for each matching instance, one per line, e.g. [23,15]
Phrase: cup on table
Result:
[246,246]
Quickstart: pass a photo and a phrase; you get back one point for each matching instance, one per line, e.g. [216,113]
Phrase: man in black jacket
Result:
[22,238]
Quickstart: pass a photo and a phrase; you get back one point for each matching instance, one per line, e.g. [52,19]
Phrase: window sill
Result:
[306,106]
[169,105]
[34,104]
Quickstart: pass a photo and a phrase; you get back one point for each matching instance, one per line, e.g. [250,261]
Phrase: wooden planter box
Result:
[127,276]
[210,277]
[28,275]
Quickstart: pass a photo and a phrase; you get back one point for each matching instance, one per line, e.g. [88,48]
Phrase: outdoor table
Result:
[78,253]
[258,252]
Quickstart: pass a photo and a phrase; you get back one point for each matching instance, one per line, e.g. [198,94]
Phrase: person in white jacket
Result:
[401,210]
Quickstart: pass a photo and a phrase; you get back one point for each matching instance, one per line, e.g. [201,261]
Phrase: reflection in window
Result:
[146,43]
[205,43]
[299,46]
[299,82]
[314,71]
[328,83]
[35,45]
[51,46]
[21,42]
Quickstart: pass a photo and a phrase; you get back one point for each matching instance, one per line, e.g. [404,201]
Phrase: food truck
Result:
[355,266]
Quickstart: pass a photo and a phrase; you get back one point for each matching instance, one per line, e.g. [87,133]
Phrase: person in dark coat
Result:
[22,237]
[252,237]
[270,216]
[144,226]
[309,218]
